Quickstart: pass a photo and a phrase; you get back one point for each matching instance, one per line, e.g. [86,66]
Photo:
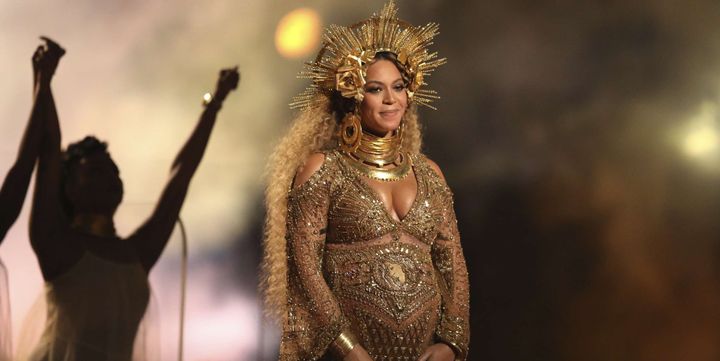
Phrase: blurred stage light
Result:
[701,139]
[298,33]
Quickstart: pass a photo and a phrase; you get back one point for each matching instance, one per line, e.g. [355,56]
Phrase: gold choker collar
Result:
[380,157]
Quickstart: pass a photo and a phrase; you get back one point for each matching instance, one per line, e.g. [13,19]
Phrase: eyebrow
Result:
[381,83]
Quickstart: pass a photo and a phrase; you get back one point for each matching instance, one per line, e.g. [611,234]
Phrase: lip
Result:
[389,113]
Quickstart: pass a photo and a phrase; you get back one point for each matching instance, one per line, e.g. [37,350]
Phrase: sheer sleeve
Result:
[454,327]
[314,315]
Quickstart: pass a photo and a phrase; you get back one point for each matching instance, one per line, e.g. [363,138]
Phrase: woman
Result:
[96,283]
[362,254]
[12,197]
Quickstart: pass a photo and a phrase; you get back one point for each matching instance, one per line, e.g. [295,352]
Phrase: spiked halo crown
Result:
[346,53]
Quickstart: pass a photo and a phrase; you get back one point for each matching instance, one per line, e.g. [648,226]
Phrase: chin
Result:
[389,125]
[393,127]
[382,126]
[107,205]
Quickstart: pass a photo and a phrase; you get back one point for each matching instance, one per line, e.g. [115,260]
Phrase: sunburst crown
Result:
[342,62]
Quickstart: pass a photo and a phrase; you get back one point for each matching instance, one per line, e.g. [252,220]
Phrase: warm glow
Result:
[298,33]
[701,138]
[701,141]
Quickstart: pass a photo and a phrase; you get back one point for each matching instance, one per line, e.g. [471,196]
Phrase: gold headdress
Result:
[342,61]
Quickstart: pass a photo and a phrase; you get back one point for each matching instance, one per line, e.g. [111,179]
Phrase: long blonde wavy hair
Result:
[314,129]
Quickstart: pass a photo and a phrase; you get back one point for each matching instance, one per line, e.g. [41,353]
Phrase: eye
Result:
[373,90]
[399,87]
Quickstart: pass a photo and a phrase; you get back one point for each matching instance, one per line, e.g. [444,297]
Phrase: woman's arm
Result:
[47,221]
[454,327]
[14,188]
[150,239]
[316,324]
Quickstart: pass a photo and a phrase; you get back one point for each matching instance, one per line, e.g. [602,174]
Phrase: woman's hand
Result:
[438,352]
[228,81]
[358,353]
[45,60]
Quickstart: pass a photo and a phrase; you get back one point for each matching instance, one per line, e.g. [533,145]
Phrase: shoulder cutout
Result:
[312,164]
[435,168]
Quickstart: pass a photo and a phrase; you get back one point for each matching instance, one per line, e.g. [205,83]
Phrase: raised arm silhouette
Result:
[96,282]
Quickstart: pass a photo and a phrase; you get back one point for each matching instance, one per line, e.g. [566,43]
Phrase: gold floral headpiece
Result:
[346,53]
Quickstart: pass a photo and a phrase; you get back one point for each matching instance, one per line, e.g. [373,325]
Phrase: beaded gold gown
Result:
[399,286]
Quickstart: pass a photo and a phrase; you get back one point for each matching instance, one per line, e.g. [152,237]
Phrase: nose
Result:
[389,98]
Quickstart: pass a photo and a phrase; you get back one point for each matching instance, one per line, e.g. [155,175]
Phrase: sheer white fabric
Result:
[147,341]
[5,321]
[92,312]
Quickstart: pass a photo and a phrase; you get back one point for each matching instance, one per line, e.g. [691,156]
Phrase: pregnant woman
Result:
[362,253]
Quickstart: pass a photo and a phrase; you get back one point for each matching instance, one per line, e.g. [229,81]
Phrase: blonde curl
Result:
[313,130]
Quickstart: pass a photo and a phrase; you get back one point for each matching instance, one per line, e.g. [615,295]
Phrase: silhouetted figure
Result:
[12,197]
[95,282]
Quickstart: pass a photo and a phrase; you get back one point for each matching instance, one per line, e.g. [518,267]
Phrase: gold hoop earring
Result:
[350,132]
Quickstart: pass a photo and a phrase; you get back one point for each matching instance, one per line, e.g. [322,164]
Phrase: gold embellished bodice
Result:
[399,285]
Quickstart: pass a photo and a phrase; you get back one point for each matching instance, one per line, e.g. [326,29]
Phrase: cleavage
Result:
[397,197]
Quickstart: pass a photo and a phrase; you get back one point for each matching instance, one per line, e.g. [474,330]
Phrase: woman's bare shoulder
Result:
[312,164]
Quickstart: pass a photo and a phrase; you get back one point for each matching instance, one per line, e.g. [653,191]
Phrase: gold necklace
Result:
[380,157]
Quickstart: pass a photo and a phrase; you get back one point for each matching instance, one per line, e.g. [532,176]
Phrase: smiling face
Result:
[385,101]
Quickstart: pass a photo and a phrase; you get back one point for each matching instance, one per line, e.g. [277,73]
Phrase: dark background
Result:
[589,233]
